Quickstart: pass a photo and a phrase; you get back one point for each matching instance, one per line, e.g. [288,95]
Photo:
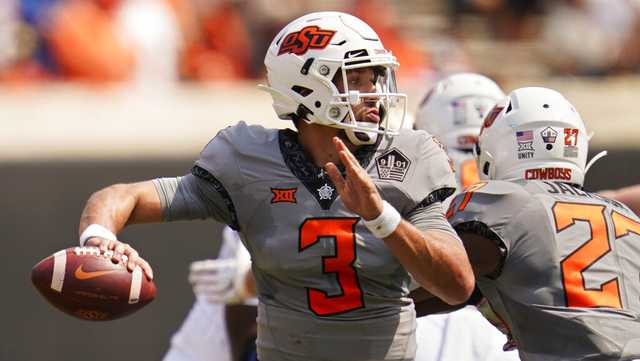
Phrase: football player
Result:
[558,264]
[335,215]
[453,111]
[203,335]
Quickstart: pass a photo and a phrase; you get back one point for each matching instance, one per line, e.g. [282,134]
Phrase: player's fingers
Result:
[95,242]
[352,158]
[145,267]
[349,160]
[355,173]
[209,290]
[335,176]
[195,278]
[131,256]
[211,266]
[118,251]
[99,242]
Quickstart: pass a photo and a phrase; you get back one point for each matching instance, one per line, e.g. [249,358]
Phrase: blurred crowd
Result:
[164,41]
[154,41]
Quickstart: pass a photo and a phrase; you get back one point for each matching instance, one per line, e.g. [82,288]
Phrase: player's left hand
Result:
[356,189]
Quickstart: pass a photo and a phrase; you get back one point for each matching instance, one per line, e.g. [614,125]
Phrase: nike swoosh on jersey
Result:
[82,275]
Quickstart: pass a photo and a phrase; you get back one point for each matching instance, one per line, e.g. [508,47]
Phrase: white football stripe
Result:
[136,285]
[59,267]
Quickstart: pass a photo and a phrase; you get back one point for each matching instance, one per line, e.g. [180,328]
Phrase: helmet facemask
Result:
[365,102]
[313,53]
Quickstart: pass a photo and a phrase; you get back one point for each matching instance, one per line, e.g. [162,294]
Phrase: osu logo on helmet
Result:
[310,37]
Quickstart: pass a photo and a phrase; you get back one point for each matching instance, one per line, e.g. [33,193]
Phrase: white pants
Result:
[202,336]
[463,335]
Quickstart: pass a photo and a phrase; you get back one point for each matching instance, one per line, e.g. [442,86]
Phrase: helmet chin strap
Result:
[363,137]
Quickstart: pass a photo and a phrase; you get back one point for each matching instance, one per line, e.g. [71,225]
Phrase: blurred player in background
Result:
[203,335]
[332,273]
[453,112]
[558,264]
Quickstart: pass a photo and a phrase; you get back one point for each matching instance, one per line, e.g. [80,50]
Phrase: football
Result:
[85,283]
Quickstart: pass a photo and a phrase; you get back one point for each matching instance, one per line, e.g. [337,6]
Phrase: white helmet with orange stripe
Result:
[315,52]
[454,109]
[534,133]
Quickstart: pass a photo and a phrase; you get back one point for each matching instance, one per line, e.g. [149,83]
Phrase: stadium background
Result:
[75,118]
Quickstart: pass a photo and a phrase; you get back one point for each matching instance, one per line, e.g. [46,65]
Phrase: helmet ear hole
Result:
[304,91]
[485,168]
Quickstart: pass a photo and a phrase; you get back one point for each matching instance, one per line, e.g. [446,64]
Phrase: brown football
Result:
[85,283]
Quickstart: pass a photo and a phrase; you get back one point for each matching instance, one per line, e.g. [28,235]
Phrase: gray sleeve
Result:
[430,217]
[190,197]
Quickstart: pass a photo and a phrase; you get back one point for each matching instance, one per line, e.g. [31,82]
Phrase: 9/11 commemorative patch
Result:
[392,165]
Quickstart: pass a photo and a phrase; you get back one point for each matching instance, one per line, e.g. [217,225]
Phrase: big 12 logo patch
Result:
[309,37]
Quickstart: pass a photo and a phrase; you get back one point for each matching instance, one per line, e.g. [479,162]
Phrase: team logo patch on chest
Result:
[392,165]
[284,195]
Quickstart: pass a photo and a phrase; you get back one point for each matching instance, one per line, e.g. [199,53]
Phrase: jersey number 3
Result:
[566,214]
[342,230]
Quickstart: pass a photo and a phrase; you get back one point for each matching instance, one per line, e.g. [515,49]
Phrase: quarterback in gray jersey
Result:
[559,265]
[335,215]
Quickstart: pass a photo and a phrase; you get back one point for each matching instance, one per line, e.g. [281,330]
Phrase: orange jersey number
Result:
[577,295]
[343,231]
[468,193]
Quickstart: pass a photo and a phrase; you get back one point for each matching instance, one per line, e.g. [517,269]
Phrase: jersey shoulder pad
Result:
[418,164]
[491,203]
[223,155]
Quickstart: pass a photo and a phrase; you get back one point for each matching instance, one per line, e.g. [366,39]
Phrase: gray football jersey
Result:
[328,289]
[568,286]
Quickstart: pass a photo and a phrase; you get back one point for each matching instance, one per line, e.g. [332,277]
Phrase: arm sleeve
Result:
[191,197]
[431,217]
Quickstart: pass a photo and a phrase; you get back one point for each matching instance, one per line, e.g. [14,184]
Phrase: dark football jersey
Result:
[328,289]
[568,286]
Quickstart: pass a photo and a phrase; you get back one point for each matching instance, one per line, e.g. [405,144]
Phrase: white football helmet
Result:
[308,53]
[454,108]
[534,133]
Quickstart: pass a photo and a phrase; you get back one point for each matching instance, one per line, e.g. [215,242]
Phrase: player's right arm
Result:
[194,196]
[116,206]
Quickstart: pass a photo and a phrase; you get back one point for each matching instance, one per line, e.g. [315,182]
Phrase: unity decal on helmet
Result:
[283,195]
[392,165]
[310,37]
[525,144]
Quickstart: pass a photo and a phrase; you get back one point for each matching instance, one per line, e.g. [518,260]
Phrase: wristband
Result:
[96,230]
[387,222]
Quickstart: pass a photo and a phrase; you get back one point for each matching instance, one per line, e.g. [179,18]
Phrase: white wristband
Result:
[387,222]
[96,230]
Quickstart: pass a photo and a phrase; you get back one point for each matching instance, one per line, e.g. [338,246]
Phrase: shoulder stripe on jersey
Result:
[204,174]
[439,195]
[483,230]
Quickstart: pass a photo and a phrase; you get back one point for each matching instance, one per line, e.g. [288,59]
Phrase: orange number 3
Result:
[343,231]
[573,266]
